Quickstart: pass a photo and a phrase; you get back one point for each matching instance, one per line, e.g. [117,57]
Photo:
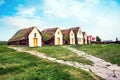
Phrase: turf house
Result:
[68,36]
[28,37]
[52,36]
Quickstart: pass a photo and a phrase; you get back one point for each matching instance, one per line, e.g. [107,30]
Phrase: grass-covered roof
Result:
[75,29]
[48,33]
[22,34]
[66,33]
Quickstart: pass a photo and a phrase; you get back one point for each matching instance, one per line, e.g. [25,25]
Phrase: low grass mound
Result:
[24,66]
[108,52]
[61,53]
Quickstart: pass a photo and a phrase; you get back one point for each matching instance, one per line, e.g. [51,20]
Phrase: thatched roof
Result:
[75,29]
[66,33]
[48,33]
[21,34]
[52,30]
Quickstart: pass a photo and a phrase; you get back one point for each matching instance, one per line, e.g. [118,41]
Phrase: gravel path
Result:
[104,69]
[100,67]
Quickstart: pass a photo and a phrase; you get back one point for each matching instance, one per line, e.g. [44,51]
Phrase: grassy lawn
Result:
[61,53]
[23,66]
[108,52]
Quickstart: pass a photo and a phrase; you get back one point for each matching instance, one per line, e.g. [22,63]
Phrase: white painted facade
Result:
[80,36]
[72,37]
[85,36]
[32,36]
[58,34]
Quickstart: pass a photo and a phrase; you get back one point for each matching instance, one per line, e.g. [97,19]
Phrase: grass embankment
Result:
[108,52]
[61,53]
[23,66]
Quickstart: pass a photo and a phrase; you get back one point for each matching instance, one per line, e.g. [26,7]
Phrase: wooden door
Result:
[58,41]
[72,41]
[35,42]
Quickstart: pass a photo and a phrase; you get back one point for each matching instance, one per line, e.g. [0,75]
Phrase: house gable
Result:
[58,37]
[35,34]
[52,36]
[72,37]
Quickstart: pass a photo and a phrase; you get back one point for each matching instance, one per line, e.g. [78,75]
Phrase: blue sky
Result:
[96,17]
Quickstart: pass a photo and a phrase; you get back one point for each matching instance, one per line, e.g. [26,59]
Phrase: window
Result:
[71,34]
[58,33]
[35,34]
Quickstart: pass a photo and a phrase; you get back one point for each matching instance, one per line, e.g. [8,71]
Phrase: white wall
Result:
[58,36]
[79,37]
[31,36]
[85,38]
[72,35]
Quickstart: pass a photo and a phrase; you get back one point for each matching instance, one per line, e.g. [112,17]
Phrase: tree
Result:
[116,40]
[98,39]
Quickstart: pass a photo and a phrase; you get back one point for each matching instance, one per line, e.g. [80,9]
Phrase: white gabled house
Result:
[52,36]
[68,36]
[78,35]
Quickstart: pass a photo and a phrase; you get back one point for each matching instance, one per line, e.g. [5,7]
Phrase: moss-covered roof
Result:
[52,30]
[75,29]
[48,33]
[66,33]
[47,36]
[22,34]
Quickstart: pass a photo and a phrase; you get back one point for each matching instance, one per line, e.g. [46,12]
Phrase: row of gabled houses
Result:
[52,36]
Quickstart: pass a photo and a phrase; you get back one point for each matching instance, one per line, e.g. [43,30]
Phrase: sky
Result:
[95,17]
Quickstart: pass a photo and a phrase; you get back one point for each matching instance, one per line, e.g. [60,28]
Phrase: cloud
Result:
[2,2]
[71,8]
[25,11]
[24,17]
[21,22]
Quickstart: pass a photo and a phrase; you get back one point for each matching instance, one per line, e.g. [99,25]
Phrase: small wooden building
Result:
[52,36]
[28,37]
[68,36]
[84,38]
[78,35]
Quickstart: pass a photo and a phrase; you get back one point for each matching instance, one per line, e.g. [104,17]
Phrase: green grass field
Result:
[108,52]
[23,66]
[61,53]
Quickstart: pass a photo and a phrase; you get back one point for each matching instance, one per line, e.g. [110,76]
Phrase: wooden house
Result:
[52,36]
[28,37]
[68,36]
[78,35]
[84,38]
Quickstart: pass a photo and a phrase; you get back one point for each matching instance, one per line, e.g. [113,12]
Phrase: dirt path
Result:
[41,55]
[100,67]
